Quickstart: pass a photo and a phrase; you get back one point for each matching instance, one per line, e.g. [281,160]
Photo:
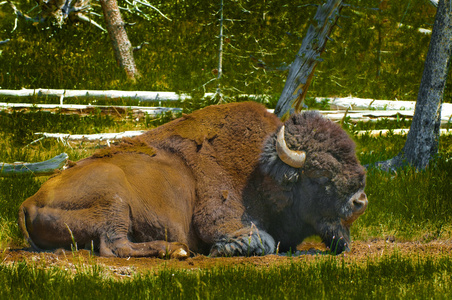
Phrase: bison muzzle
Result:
[226,180]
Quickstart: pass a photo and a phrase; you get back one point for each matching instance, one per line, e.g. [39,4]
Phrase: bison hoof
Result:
[175,250]
[180,254]
[244,242]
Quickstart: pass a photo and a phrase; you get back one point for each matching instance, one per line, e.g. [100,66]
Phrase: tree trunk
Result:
[302,69]
[118,35]
[423,139]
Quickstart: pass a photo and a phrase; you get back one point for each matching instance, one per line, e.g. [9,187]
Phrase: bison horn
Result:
[293,158]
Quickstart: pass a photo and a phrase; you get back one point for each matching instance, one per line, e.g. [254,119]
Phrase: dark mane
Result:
[327,146]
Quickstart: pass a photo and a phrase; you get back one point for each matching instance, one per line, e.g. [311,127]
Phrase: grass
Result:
[388,276]
[407,205]
[262,37]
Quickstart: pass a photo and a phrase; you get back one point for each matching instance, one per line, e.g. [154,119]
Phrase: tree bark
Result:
[44,168]
[302,69]
[122,47]
[423,139]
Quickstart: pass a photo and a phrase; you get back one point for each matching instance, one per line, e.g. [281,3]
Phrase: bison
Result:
[226,180]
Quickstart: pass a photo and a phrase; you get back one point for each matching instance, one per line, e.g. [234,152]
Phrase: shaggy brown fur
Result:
[211,180]
[221,145]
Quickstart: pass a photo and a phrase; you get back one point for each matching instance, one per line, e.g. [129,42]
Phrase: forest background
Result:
[402,244]
[377,51]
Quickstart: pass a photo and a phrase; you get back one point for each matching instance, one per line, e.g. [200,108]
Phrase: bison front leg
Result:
[123,247]
[244,242]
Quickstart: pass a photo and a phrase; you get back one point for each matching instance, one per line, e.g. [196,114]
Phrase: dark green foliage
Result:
[311,103]
[13,190]
[371,56]
[394,276]
[373,149]
[21,126]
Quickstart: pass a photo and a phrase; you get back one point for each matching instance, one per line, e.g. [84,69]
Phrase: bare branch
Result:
[137,48]
[82,17]
[153,7]
[22,15]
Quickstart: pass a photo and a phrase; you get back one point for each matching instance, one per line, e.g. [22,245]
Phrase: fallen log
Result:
[366,104]
[91,137]
[145,96]
[374,115]
[90,109]
[375,107]
[385,132]
[111,94]
[43,168]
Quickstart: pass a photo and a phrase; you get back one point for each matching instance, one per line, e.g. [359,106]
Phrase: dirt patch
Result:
[126,267]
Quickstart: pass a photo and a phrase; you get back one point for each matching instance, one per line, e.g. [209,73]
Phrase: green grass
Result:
[408,205]
[388,276]
[22,126]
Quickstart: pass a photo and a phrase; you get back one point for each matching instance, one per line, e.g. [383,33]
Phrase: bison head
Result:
[313,160]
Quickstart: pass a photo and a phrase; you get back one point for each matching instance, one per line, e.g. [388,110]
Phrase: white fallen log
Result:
[372,104]
[43,168]
[78,108]
[109,94]
[137,95]
[375,107]
[385,132]
[367,115]
[64,137]
[367,104]
[339,103]
[358,109]
[335,103]
[373,115]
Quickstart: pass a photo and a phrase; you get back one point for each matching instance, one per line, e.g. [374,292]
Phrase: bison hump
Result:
[219,141]
[127,145]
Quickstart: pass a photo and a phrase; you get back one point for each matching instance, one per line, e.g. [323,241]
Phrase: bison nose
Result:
[360,203]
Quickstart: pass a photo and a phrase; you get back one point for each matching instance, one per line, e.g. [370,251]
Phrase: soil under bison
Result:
[125,267]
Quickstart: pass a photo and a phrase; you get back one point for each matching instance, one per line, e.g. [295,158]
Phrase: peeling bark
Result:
[302,69]
[122,47]
[44,168]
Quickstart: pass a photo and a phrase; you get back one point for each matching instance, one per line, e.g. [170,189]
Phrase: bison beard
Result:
[219,181]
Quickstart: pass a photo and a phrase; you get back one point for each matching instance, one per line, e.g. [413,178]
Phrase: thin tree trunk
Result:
[302,69]
[122,47]
[220,53]
[423,139]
